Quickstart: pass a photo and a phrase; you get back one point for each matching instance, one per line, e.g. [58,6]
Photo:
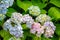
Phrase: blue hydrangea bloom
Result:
[4,4]
[7,25]
[15,30]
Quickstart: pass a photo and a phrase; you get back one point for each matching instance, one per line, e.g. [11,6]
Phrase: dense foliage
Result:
[29,19]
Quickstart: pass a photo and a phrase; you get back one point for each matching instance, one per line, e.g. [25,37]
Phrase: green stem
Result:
[39,38]
[48,39]
[59,38]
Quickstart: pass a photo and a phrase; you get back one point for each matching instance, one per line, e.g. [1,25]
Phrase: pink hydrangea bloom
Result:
[37,29]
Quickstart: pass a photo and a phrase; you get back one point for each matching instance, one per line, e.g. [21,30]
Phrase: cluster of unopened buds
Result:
[2,16]
[42,25]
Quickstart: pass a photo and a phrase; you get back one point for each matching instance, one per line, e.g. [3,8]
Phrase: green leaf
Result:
[2,16]
[24,5]
[35,0]
[35,38]
[25,0]
[55,2]
[28,35]
[14,38]
[44,1]
[1,22]
[54,13]
[41,5]
[59,38]
[2,19]
[57,29]
[55,37]
[24,26]
[5,34]
[10,11]
[44,38]
[43,11]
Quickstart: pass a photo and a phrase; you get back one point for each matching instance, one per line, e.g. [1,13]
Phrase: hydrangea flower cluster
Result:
[28,20]
[47,29]
[37,29]
[16,17]
[4,4]
[34,10]
[14,24]
[43,18]
[19,18]
[7,25]
[50,28]
[14,29]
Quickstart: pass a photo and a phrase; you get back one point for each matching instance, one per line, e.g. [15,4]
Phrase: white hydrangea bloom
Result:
[16,17]
[34,10]
[43,18]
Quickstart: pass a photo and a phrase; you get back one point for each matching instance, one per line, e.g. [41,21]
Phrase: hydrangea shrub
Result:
[29,20]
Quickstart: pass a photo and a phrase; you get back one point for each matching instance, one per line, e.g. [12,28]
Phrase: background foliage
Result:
[50,7]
